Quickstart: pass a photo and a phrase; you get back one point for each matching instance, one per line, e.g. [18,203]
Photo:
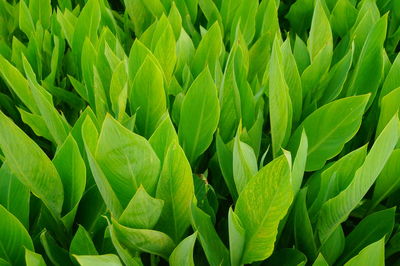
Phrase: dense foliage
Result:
[199,132]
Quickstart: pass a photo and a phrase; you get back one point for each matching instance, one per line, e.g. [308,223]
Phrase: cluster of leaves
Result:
[218,132]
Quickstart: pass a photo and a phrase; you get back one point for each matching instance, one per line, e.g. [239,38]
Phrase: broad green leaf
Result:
[90,137]
[147,98]
[33,259]
[299,163]
[41,11]
[301,10]
[244,163]
[163,136]
[164,46]
[287,256]
[183,253]
[236,238]
[208,51]
[329,128]
[320,261]
[13,238]
[72,170]
[14,196]
[333,247]
[143,211]
[372,228]
[175,187]
[245,20]
[225,160]
[25,20]
[343,16]
[98,260]
[82,243]
[119,90]
[336,177]
[199,116]
[390,105]
[229,97]
[213,247]
[373,254]
[34,170]
[368,71]
[337,209]
[18,84]
[86,26]
[292,78]
[144,240]
[56,124]
[127,160]
[303,232]
[36,123]
[262,205]
[122,251]
[392,80]
[301,54]
[387,182]
[280,105]
[334,81]
[320,32]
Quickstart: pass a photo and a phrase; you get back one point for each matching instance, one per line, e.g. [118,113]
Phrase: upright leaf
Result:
[337,209]
[34,170]
[262,205]
[199,116]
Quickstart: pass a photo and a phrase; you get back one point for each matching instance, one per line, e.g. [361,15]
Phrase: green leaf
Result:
[333,247]
[199,116]
[13,238]
[147,97]
[33,259]
[287,256]
[86,26]
[368,71]
[343,17]
[98,260]
[373,254]
[320,32]
[14,196]
[337,209]
[244,163]
[72,170]
[208,51]
[90,137]
[299,163]
[387,182]
[372,228]
[25,20]
[183,253]
[303,232]
[119,90]
[144,240]
[390,105]
[34,170]
[163,136]
[82,243]
[237,236]
[143,211]
[176,188]
[329,128]
[213,247]
[292,78]
[18,84]
[280,105]
[392,80]
[261,205]
[225,160]
[320,261]
[127,160]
